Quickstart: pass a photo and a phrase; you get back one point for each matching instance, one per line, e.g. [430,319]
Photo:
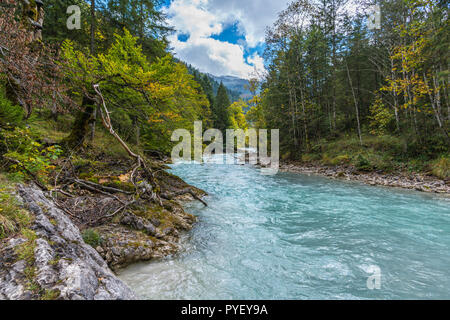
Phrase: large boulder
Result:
[63,266]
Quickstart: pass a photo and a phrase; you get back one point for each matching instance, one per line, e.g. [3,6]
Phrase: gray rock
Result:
[64,263]
[150,229]
[115,251]
[138,223]
[155,222]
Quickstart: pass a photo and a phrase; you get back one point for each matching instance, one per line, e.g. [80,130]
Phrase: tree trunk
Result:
[356,104]
[93,123]
[397,121]
[92,27]
[81,125]
[305,122]
[92,50]
[54,111]
[138,133]
[435,103]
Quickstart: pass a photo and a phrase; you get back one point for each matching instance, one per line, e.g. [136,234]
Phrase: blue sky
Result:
[222,37]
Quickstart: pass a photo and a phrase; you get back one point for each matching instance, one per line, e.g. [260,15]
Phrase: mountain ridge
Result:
[236,84]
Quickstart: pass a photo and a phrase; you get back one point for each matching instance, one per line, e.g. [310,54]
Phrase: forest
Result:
[86,116]
[342,93]
[91,92]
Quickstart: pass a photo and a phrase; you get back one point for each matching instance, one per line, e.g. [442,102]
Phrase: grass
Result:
[378,153]
[25,251]
[441,167]
[50,294]
[105,143]
[13,218]
[52,130]
[57,130]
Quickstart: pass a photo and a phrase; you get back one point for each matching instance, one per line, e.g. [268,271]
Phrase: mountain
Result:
[237,88]
[234,84]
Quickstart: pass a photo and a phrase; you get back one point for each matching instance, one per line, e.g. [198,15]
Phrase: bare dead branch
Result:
[170,196]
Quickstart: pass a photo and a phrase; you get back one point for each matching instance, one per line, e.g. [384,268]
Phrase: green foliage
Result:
[12,217]
[220,110]
[441,167]
[333,77]
[25,251]
[383,153]
[50,294]
[334,161]
[428,147]
[363,164]
[380,118]
[55,27]
[26,154]
[143,18]
[237,117]
[148,98]
[10,115]
[310,157]
[255,115]
[342,159]
[92,237]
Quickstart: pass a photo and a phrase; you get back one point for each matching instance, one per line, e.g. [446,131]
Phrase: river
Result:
[294,236]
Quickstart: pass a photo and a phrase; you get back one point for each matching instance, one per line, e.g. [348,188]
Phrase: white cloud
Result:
[203,18]
[254,15]
[214,56]
[258,63]
[189,16]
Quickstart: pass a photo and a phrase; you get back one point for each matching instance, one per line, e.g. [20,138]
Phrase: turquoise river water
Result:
[294,236]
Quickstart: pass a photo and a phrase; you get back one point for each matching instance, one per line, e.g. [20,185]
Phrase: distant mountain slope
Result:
[237,88]
[234,95]
[234,84]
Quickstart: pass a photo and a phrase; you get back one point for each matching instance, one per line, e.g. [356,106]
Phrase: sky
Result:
[222,37]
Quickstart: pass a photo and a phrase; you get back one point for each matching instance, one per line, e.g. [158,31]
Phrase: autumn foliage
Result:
[28,67]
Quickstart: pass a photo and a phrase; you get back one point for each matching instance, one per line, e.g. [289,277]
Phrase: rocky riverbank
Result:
[414,181]
[79,236]
[52,261]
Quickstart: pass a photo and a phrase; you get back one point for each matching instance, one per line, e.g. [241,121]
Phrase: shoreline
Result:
[411,181]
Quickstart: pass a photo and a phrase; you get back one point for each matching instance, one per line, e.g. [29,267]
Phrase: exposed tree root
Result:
[99,187]
[114,213]
[140,162]
[143,187]
[181,193]
[90,210]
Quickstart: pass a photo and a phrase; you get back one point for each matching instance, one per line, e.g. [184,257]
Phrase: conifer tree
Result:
[220,110]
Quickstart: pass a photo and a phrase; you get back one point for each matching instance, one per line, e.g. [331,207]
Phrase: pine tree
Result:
[220,109]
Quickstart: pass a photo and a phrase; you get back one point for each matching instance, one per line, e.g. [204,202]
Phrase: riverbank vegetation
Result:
[86,116]
[112,92]
[342,93]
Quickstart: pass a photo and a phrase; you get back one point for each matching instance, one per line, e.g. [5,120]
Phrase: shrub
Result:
[10,115]
[326,159]
[310,157]
[339,160]
[441,167]
[363,164]
[26,154]
[91,237]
